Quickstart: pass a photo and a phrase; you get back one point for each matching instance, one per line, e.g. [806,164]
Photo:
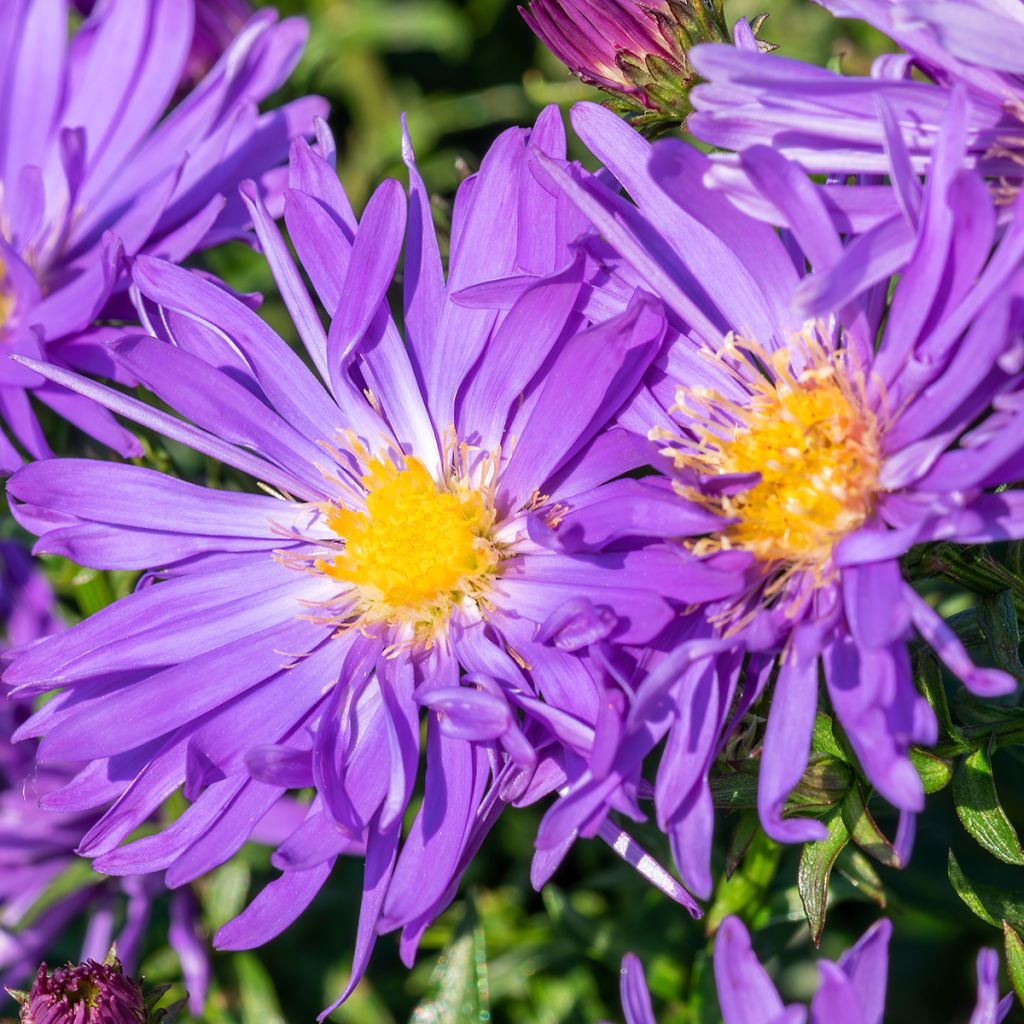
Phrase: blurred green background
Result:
[463,71]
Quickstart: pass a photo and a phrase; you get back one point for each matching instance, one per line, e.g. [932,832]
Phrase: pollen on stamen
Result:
[6,299]
[810,436]
[420,547]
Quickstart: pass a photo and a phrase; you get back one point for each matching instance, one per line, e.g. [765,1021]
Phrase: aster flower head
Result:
[843,125]
[635,50]
[390,568]
[822,456]
[95,166]
[850,991]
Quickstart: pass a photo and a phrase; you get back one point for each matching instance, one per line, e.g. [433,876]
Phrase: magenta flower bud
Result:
[91,993]
[635,50]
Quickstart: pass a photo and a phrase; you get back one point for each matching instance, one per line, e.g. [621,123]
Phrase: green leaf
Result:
[928,675]
[1014,959]
[746,892]
[823,739]
[936,772]
[256,993]
[990,904]
[997,617]
[865,832]
[223,894]
[459,982]
[855,867]
[978,807]
[816,863]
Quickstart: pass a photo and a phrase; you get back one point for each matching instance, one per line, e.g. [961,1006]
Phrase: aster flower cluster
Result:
[623,508]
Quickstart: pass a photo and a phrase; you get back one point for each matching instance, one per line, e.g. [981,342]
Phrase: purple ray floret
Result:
[845,125]
[850,990]
[99,162]
[37,847]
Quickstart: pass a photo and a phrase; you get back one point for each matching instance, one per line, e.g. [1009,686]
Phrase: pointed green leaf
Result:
[865,832]
[256,993]
[928,675]
[855,867]
[977,805]
[823,739]
[997,617]
[223,894]
[459,982]
[747,826]
[816,863]
[990,904]
[1014,959]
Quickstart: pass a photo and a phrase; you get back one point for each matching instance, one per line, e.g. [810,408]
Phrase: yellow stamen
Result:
[6,300]
[812,438]
[418,550]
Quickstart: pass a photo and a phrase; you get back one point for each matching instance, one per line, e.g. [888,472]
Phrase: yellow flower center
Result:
[6,299]
[418,550]
[815,444]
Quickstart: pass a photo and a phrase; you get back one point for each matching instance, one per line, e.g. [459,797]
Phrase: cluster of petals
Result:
[952,52]
[285,673]
[940,392]
[454,574]
[37,846]
[850,991]
[99,161]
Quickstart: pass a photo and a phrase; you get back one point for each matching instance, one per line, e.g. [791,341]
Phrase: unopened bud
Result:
[824,783]
[91,993]
[637,50]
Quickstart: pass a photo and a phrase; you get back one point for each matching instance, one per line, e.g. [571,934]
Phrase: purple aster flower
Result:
[293,638]
[850,991]
[217,23]
[840,125]
[635,50]
[94,166]
[824,455]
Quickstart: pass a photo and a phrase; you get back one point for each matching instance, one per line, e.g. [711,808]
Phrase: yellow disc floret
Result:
[6,301]
[813,441]
[417,550]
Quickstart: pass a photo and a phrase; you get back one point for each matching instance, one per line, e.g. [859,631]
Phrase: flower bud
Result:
[823,785]
[634,49]
[91,993]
